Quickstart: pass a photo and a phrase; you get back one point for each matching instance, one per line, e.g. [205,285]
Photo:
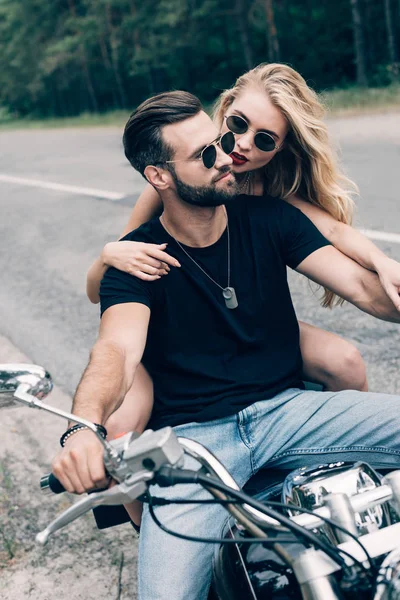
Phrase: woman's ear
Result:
[286,141]
[282,146]
[157,177]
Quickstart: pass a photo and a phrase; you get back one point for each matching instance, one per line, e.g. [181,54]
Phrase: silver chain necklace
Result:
[245,185]
[228,292]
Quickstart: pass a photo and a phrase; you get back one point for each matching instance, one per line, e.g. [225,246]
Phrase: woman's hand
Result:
[389,275]
[145,261]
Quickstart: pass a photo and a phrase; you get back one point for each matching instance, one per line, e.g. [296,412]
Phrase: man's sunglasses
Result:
[263,140]
[209,153]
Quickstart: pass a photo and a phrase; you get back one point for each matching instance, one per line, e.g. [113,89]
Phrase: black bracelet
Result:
[67,434]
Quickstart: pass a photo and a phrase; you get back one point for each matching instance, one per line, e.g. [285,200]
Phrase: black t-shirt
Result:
[206,360]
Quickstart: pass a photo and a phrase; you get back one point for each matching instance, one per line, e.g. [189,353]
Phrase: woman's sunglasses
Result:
[264,141]
[209,153]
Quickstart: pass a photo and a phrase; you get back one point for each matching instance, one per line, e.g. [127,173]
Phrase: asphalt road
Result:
[49,238]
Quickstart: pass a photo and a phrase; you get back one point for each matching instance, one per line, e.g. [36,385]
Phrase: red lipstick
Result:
[238,159]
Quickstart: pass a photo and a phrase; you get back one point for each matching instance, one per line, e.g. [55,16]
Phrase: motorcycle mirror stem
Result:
[29,384]
[37,380]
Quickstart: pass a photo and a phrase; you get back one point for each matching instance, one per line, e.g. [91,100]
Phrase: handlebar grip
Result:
[49,483]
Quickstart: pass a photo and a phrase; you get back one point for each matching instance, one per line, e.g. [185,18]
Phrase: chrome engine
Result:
[388,587]
[307,487]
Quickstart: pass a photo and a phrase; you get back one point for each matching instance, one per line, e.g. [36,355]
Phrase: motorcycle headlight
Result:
[307,487]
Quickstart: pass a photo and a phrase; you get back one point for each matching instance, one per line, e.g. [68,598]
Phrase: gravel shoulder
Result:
[79,562]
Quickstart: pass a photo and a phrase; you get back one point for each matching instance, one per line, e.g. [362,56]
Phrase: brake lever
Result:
[139,458]
[122,493]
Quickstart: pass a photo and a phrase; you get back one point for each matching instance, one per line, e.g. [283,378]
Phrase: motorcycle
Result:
[330,532]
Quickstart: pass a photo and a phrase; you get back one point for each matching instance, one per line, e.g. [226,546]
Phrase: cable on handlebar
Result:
[156,501]
[330,550]
[266,541]
[189,538]
[336,526]
[167,476]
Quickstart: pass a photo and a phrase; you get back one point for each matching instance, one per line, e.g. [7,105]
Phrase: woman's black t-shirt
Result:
[206,360]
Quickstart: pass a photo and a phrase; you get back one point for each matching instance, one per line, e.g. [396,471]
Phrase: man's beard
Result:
[206,195]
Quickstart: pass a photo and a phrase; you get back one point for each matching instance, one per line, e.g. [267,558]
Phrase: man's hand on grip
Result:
[79,466]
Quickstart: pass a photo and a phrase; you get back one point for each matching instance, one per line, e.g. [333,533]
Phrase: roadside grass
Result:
[116,118]
[338,102]
[356,101]
[8,542]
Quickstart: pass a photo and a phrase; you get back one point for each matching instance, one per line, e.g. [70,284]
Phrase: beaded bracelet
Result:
[78,427]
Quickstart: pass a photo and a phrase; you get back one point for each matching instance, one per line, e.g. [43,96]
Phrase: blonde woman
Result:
[282,149]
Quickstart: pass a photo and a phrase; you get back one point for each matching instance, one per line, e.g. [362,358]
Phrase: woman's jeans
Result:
[294,429]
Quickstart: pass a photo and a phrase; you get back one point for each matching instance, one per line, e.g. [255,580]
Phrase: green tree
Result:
[69,56]
[359,46]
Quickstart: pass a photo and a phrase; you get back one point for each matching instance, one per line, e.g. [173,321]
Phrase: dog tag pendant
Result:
[229,295]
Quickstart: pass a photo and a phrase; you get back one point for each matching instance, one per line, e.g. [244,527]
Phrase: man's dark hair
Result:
[143,142]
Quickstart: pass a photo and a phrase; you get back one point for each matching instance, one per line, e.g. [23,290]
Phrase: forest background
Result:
[67,57]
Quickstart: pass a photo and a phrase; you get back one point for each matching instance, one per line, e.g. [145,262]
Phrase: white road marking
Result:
[381,235]
[61,187]
[73,189]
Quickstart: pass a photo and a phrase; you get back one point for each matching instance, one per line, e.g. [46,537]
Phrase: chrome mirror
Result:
[35,381]
[29,384]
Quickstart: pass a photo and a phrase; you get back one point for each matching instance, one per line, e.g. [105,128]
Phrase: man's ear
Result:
[159,178]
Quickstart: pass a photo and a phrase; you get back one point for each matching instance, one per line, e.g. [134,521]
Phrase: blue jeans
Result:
[292,429]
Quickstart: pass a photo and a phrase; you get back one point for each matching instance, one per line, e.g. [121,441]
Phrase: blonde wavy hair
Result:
[307,164]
